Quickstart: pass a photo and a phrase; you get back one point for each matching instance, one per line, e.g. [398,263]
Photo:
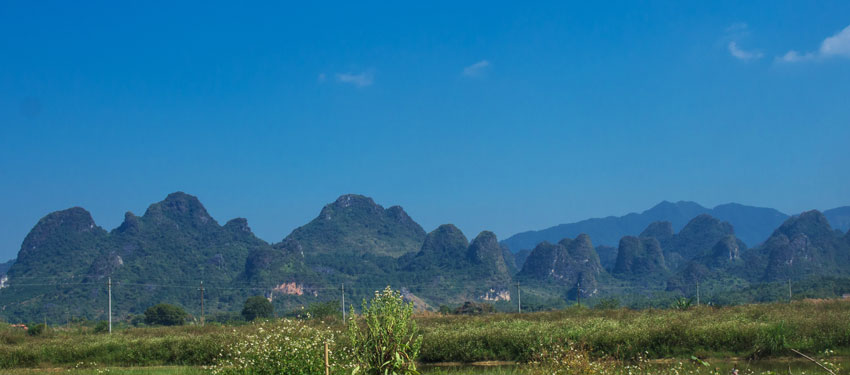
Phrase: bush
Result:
[391,341]
[323,310]
[472,308]
[165,314]
[101,327]
[37,330]
[607,304]
[257,307]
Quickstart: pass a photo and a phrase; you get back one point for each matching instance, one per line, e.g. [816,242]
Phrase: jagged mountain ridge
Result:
[152,258]
[355,241]
[752,224]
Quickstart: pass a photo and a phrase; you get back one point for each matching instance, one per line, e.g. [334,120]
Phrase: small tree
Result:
[391,341]
[165,314]
[257,307]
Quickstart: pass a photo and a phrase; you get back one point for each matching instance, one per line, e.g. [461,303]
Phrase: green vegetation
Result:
[285,347]
[165,315]
[257,307]
[748,331]
[176,253]
[389,342]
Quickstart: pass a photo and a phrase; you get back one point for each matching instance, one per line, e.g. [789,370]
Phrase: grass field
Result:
[750,331]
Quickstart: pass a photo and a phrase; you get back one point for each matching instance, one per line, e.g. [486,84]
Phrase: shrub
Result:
[101,327]
[473,308]
[390,342]
[257,307]
[682,303]
[37,330]
[322,310]
[607,304]
[165,314]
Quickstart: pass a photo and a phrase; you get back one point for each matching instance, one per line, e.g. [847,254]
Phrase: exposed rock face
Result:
[569,262]
[496,295]
[290,288]
[639,257]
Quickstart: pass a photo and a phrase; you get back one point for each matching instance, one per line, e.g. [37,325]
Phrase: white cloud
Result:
[741,54]
[794,56]
[360,80]
[836,45]
[477,70]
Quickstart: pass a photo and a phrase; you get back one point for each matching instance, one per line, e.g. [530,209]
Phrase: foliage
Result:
[607,304]
[390,341]
[682,303]
[37,330]
[621,334]
[285,347]
[101,327]
[324,310]
[474,308]
[165,314]
[257,307]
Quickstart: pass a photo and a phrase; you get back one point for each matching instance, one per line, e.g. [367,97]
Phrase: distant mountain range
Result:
[752,225]
[163,256]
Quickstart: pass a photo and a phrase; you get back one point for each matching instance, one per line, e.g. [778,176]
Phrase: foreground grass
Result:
[153,370]
[751,331]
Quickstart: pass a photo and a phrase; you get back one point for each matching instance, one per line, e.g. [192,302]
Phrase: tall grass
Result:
[742,331]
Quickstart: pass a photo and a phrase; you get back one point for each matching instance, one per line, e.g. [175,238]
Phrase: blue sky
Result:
[489,115]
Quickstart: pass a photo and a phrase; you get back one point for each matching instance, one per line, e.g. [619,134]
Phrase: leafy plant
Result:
[165,314]
[682,303]
[607,304]
[101,327]
[37,330]
[257,307]
[390,341]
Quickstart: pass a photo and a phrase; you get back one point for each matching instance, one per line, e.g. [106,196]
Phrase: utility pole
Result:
[343,302]
[789,290]
[697,292]
[109,287]
[578,293]
[202,303]
[518,299]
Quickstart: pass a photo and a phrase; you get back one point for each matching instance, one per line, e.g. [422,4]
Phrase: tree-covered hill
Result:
[66,261]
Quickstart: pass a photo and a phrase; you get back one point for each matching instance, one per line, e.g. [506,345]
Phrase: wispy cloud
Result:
[734,34]
[478,69]
[360,80]
[742,54]
[837,45]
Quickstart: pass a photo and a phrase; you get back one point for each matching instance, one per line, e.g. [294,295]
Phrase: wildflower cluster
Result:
[566,359]
[284,347]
